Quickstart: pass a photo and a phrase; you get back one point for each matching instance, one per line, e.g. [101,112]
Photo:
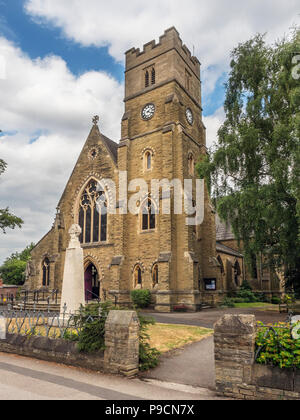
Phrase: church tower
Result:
[163,137]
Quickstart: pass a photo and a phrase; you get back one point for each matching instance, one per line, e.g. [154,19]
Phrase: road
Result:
[27,379]
[209,317]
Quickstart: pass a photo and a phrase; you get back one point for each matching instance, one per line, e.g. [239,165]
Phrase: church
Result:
[162,137]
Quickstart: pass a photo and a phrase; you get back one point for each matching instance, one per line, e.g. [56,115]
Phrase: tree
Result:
[13,269]
[253,171]
[7,220]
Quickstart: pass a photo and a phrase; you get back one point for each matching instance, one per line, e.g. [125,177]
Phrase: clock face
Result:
[189,116]
[148,111]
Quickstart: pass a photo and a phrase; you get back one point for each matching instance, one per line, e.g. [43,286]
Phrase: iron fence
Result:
[63,325]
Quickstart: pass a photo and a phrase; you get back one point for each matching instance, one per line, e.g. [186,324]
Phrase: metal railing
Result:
[95,297]
[62,325]
[35,297]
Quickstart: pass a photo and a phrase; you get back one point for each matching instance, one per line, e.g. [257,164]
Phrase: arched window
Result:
[153,76]
[148,215]
[93,215]
[237,272]
[191,164]
[155,275]
[46,272]
[221,264]
[148,161]
[137,276]
[147,79]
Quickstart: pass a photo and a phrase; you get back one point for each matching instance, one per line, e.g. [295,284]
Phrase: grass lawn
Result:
[263,305]
[169,337]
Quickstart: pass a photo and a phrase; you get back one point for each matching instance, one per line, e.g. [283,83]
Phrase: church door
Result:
[91,283]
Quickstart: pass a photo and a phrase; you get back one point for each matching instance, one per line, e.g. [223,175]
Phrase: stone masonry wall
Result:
[237,375]
[121,355]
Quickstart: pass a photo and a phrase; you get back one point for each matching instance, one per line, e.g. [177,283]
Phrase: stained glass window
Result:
[148,216]
[93,214]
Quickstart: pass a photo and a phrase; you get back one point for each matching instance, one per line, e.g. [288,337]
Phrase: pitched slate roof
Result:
[223,230]
[226,250]
[112,146]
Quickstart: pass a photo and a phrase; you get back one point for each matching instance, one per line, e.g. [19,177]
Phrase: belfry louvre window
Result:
[148,216]
[147,79]
[153,76]
[150,77]
[46,272]
[93,215]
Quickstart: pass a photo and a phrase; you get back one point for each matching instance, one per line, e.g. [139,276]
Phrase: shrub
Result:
[141,298]
[228,303]
[262,297]
[149,356]
[246,286]
[247,296]
[275,300]
[276,346]
[92,335]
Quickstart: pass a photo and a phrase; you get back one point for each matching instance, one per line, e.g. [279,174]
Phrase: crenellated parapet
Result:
[169,40]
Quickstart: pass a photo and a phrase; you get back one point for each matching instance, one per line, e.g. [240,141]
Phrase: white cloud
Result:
[213,27]
[47,113]
[43,100]
[213,123]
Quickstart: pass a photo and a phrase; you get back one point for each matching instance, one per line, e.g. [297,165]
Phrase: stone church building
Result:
[162,137]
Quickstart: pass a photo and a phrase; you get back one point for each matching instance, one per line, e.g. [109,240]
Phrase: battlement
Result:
[169,40]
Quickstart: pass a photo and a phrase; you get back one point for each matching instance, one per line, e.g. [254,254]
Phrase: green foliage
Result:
[228,303]
[141,298]
[254,170]
[2,166]
[247,296]
[7,220]
[91,338]
[244,295]
[279,347]
[13,269]
[246,285]
[275,300]
[13,272]
[92,335]
[149,357]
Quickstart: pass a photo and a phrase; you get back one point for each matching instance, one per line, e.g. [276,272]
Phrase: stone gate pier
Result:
[237,374]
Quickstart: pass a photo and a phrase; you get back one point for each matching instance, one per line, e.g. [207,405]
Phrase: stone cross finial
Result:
[96,119]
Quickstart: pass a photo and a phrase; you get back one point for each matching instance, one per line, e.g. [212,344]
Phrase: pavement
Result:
[29,379]
[186,374]
[193,366]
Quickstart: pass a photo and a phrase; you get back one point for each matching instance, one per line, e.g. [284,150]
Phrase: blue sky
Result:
[41,40]
[62,62]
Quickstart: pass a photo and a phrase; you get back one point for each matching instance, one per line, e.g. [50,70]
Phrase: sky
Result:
[62,62]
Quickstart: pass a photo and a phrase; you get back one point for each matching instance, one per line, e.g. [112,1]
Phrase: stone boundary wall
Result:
[237,374]
[58,351]
[121,355]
